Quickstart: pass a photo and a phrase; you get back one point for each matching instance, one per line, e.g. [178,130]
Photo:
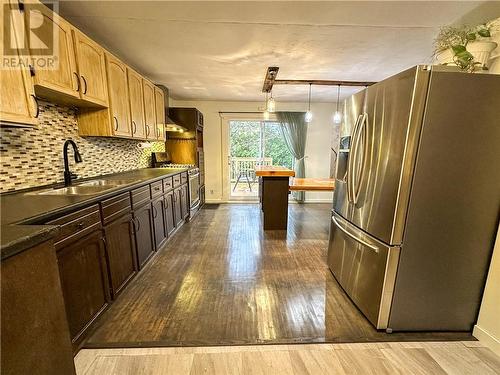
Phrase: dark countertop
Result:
[28,208]
[17,238]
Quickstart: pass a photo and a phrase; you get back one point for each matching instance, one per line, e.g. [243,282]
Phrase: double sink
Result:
[86,188]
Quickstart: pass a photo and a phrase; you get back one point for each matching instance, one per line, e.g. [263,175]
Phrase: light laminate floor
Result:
[419,358]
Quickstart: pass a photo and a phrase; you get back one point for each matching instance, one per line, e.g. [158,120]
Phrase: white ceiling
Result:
[221,50]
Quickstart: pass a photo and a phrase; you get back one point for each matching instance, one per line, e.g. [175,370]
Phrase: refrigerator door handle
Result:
[362,132]
[370,246]
[350,162]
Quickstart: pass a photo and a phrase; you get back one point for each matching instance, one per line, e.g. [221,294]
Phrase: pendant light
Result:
[337,117]
[266,111]
[271,104]
[308,116]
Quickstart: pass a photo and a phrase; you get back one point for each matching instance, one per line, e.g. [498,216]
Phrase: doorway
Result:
[252,143]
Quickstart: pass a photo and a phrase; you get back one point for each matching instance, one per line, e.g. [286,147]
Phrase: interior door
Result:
[384,148]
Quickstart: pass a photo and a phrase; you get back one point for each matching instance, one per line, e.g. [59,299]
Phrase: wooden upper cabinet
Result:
[118,97]
[18,105]
[136,104]
[60,82]
[149,109]
[160,114]
[91,69]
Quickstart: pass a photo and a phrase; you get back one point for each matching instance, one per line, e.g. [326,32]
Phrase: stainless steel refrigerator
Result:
[417,198]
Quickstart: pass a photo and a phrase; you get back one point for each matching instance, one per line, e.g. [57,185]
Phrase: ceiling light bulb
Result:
[266,115]
[271,104]
[337,117]
[308,117]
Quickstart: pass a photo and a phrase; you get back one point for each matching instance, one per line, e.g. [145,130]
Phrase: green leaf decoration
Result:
[485,33]
[471,36]
[458,49]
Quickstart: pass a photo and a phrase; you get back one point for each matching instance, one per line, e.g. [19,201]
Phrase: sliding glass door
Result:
[253,143]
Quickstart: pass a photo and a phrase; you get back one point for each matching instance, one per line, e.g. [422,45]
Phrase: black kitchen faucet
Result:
[68,176]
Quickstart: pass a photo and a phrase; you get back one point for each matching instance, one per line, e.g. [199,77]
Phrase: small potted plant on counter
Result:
[469,48]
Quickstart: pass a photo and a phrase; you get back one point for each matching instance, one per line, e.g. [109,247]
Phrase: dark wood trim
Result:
[269,80]
[321,82]
[272,72]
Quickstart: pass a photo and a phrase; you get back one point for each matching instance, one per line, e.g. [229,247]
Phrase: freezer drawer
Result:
[364,267]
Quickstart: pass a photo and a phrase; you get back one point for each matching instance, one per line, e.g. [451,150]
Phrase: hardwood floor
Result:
[224,281]
[417,358]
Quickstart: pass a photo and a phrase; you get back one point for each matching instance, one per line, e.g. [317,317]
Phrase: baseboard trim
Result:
[214,201]
[487,339]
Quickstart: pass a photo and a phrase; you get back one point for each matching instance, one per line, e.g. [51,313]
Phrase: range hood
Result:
[171,126]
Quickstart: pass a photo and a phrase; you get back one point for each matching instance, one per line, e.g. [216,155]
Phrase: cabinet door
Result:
[92,69]
[83,272]
[136,98]
[184,193]
[177,207]
[118,96]
[159,222]
[16,85]
[63,77]
[144,235]
[169,213]
[149,109]
[120,249]
[160,114]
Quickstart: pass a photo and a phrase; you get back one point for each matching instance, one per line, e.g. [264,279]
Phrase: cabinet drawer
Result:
[76,224]
[156,188]
[113,208]
[168,184]
[184,178]
[140,195]
[177,180]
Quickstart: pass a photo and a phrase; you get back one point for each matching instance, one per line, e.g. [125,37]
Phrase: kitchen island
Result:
[274,183]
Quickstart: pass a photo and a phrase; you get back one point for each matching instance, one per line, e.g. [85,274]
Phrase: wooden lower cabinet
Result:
[84,281]
[184,195]
[144,233]
[177,206]
[159,222]
[35,337]
[120,249]
[169,213]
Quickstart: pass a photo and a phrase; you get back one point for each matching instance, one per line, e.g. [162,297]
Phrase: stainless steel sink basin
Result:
[106,182]
[76,190]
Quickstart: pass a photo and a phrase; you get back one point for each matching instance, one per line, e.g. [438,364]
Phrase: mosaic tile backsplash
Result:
[33,157]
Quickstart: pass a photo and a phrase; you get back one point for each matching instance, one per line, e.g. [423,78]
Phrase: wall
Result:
[319,139]
[33,157]
[487,329]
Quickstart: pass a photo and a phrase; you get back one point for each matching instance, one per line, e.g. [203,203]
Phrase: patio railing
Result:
[246,164]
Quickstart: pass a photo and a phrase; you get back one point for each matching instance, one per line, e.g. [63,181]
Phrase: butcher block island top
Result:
[312,184]
[273,171]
